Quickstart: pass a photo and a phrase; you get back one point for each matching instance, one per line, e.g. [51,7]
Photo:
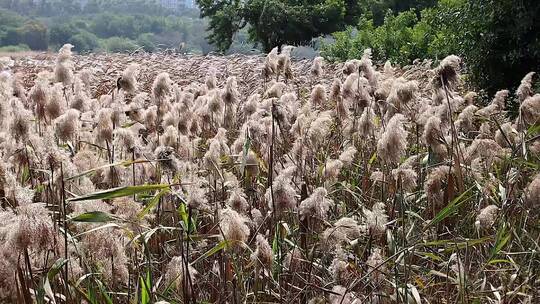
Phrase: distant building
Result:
[177,5]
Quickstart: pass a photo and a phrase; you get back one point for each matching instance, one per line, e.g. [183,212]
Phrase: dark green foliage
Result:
[10,36]
[225,20]
[35,35]
[498,39]
[109,25]
[275,22]
[8,18]
[377,10]
[60,33]
[149,30]
[9,24]
[501,43]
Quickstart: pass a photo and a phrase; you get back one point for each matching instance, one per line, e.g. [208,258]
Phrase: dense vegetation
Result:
[49,8]
[113,26]
[52,8]
[499,40]
[148,177]
[274,23]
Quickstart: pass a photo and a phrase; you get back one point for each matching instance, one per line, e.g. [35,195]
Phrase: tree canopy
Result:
[276,22]
[272,23]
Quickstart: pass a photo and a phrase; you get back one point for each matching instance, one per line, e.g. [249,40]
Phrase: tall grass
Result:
[249,179]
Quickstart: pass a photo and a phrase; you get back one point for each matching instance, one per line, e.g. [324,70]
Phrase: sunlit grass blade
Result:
[502,238]
[94,217]
[184,215]
[109,225]
[153,203]
[118,192]
[53,271]
[122,163]
[245,150]
[220,246]
[451,208]
[145,289]
[55,268]
[90,171]
[103,292]
[451,245]
[533,130]
[87,296]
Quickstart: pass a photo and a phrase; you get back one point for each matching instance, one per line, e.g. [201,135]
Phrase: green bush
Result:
[397,39]
[147,41]
[119,45]
[35,35]
[84,41]
[14,48]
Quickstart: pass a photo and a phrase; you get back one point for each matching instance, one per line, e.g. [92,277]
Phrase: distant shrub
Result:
[397,39]
[10,36]
[14,48]
[147,41]
[84,41]
[119,45]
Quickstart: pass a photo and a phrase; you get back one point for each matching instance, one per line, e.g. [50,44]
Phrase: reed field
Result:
[166,178]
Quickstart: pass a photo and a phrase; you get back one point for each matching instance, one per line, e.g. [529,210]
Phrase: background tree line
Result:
[52,8]
[498,39]
[115,26]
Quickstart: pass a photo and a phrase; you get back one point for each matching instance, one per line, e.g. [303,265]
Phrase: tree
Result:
[61,33]
[276,22]
[9,18]
[504,41]
[377,10]
[35,35]
[499,40]
[91,7]
[11,36]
